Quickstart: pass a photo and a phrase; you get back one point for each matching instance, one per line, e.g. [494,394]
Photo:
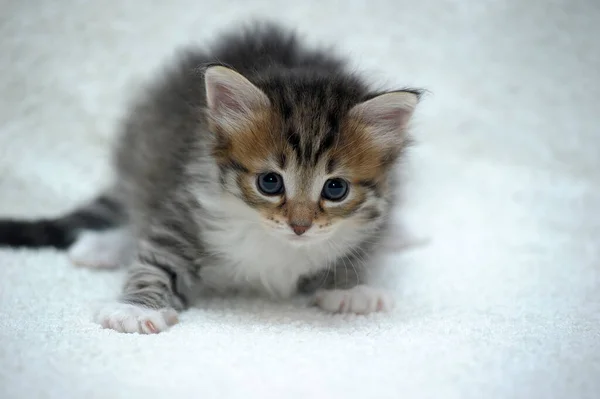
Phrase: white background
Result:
[500,299]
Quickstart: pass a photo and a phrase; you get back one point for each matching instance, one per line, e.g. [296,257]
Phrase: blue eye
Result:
[335,189]
[270,183]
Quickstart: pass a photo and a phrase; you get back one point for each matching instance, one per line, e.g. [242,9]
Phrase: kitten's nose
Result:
[299,229]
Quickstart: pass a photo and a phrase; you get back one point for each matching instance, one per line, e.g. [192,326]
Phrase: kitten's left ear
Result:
[386,116]
[232,99]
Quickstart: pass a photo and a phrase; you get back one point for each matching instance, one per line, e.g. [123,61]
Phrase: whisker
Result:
[328,263]
[344,258]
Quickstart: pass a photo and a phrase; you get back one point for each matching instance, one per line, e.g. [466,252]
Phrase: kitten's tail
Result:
[102,213]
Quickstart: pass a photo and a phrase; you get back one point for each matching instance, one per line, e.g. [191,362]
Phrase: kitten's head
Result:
[311,154]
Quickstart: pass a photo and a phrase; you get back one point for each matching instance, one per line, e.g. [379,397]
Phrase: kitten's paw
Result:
[361,299]
[127,318]
[102,250]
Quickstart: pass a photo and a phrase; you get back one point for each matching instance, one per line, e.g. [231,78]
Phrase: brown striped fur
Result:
[307,135]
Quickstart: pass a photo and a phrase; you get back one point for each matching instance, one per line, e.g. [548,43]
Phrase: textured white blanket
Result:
[500,300]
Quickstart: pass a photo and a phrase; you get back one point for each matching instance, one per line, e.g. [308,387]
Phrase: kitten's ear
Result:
[231,98]
[386,116]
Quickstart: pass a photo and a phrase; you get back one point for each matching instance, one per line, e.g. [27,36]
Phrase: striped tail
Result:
[102,213]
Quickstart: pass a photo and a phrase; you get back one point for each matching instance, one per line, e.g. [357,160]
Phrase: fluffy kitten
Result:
[259,166]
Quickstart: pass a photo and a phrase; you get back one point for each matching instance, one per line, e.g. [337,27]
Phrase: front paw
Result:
[127,318]
[361,299]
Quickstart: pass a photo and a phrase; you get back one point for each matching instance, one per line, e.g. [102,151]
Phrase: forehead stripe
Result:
[326,143]
[235,165]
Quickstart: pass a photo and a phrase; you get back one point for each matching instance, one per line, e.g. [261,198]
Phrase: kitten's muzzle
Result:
[299,229]
[300,215]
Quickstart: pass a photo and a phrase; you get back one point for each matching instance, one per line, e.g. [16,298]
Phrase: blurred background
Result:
[503,185]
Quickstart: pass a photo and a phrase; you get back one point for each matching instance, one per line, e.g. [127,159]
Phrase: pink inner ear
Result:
[391,118]
[387,113]
[224,99]
[393,115]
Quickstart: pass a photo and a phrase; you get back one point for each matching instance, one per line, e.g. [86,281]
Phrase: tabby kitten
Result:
[260,166]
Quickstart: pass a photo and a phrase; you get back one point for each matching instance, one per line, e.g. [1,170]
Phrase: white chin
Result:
[308,239]
[299,239]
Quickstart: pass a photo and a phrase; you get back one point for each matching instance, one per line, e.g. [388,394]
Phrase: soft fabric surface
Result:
[499,291]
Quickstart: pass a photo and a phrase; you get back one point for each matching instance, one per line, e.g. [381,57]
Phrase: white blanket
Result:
[498,298]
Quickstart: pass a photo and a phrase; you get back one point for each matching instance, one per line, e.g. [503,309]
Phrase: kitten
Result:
[260,166]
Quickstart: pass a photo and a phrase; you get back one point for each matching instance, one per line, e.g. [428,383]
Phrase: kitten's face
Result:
[302,183]
[311,167]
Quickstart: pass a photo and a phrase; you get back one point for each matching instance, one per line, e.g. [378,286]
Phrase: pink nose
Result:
[299,229]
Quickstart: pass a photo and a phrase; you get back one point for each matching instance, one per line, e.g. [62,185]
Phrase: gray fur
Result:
[163,160]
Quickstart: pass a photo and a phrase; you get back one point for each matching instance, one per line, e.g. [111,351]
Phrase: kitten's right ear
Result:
[232,99]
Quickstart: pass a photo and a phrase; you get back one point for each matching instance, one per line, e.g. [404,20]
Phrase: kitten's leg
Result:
[156,287]
[105,249]
[343,289]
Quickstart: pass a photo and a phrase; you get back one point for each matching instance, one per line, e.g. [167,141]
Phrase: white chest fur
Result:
[254,261]
[250,258]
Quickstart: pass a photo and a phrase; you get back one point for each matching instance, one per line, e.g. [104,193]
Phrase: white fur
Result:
[128,318]
[102,250]
[504,302]
[361,299]
[261,257]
